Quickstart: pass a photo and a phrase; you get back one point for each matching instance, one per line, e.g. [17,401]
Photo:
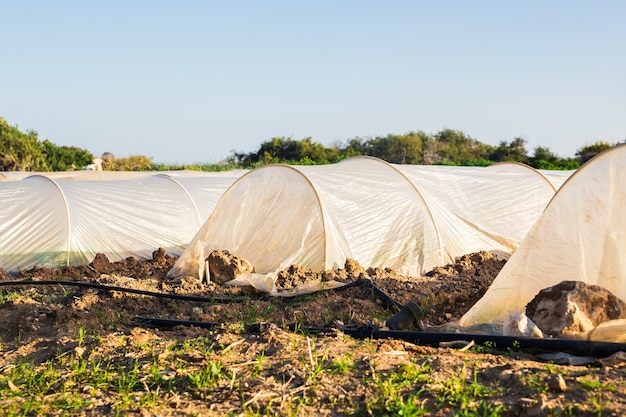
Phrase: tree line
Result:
[448,147]
[23,151]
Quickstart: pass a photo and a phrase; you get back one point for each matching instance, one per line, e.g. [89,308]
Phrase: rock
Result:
[556,383]
[573,307]
[224,267]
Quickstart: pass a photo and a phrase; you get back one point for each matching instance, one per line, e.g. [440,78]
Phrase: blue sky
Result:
[191,81]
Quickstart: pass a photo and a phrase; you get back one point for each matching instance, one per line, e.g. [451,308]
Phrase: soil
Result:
[274,366]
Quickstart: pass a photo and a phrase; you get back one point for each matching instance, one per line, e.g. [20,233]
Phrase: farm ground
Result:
[78,350]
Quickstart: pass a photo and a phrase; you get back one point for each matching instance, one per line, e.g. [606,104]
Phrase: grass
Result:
[146,375]
[207,376]
[414,390]
[342,365]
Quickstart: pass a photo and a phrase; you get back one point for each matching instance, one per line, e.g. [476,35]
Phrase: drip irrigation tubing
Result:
[574,347]
[360,282]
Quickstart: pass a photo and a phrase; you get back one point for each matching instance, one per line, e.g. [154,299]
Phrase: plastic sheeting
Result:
[54,223]
[408,217]
[581,236]
[97,175]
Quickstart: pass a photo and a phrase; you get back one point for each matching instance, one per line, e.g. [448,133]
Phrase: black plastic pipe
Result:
[529,344]
[574,347]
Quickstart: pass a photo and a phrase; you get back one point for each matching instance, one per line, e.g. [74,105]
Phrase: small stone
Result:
[556,383]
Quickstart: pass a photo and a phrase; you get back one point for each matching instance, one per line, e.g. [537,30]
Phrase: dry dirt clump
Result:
[78,348]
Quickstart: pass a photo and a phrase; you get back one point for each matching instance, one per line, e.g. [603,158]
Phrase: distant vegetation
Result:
[25,152]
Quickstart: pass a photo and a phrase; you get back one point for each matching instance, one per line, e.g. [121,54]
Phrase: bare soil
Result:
[270,364]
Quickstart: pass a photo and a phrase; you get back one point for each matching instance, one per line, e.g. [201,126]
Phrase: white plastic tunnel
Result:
[410,218]
[581,236]
[54,223]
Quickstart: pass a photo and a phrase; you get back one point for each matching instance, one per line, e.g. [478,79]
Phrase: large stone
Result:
[224,267]
[573,307]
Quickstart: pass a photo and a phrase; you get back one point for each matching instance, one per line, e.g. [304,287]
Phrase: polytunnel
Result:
[581,236]
[98,175]
[408,217]
[54,223]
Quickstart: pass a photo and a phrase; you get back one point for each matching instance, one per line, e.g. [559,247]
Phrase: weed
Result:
[395,401]
[341,365]
[487,347]
[207,376]
[81,336]
[589,384]
[535,380]
[596,390]
[258,365]
[200,344]
[156,379]
[6,296]
[466,396]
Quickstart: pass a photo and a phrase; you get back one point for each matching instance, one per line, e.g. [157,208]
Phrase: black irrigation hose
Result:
[230,300]
[105,287]
[574,347]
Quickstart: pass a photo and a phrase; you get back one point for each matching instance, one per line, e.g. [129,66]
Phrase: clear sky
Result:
[191,81]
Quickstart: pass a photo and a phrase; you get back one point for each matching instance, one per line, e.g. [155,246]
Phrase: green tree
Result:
[543,158]
[510,152]
[398,149]
[24,152]
[543,154]
[20,151]
[457,148]
[65,158]
[587,152]
[354,147]
[288,150]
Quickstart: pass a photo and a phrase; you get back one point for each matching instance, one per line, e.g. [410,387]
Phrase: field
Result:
[84,347]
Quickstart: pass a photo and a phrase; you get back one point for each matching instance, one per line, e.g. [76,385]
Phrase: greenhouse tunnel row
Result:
[407,217]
